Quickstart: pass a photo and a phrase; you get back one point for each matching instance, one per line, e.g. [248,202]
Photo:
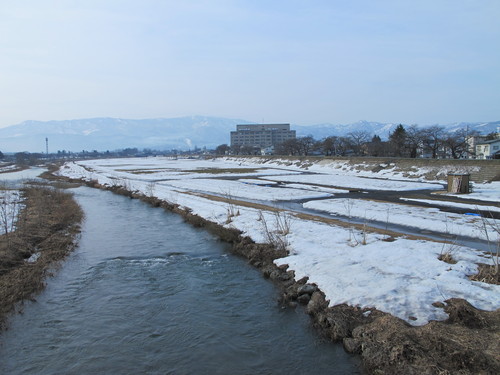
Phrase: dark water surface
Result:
[145,293]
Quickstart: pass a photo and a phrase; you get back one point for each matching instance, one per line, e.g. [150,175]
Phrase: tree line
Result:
[408,142]
[26,159]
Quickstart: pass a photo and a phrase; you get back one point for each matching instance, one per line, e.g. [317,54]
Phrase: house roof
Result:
[488,142]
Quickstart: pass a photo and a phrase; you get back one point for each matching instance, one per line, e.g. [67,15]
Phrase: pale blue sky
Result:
[302,62]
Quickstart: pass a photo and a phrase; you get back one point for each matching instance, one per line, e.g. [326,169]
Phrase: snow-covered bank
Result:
[427,170]
[407,215]
[403,277]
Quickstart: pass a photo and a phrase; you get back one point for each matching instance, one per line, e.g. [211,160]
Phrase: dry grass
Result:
[487,274]
[447,253]
[47,225]
[277,230]
[466,344]
[447,257]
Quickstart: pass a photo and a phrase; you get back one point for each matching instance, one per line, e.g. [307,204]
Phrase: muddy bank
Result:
[46,231]
[467,343]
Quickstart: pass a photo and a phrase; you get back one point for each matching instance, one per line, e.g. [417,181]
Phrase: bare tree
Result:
[456,143]
[222,149]
[414,140]
[306,145]
[249,150]
[376,147]
[433,139]
[358,139]
[330,145]
[288,147]
[236,149]
[344,146]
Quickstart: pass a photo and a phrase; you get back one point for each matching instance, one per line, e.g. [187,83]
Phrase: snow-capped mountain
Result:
[481,127]
[182,133]
[324,130]
[103,134]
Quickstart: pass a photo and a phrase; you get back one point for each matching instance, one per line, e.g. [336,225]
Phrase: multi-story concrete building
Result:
[261,136]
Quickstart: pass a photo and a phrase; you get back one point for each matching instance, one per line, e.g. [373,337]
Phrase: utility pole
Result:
[47,146]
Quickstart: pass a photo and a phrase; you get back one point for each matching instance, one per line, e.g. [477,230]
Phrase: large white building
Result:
[261,136]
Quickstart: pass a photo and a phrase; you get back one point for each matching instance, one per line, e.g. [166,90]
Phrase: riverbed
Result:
[146,293]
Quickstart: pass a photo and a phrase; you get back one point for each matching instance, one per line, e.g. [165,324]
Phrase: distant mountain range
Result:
[180,133]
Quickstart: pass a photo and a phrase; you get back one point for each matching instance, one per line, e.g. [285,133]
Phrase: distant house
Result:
[267,150]
[472,141]
[263,137]
[488,149]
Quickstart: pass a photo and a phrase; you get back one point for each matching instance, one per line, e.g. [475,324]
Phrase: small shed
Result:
[458,183]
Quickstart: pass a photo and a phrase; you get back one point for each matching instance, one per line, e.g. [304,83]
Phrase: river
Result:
[146,293]
[20,176]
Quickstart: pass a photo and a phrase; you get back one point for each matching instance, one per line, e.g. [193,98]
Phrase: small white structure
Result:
[267,150]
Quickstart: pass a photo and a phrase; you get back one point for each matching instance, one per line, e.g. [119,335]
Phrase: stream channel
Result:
[146,293]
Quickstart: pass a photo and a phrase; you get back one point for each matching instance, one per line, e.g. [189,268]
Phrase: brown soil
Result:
[47,225]
[466,343]
[487,274]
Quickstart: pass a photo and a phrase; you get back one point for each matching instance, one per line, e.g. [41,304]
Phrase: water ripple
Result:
[159,298]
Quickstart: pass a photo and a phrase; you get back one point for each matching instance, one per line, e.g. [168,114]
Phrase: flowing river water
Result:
[146,293]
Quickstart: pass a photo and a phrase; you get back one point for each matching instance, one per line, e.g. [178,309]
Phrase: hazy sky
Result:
[302,62]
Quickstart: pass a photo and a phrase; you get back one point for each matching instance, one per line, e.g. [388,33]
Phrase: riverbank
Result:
[45,232]
[11,167]
[467,342]
[480,171]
